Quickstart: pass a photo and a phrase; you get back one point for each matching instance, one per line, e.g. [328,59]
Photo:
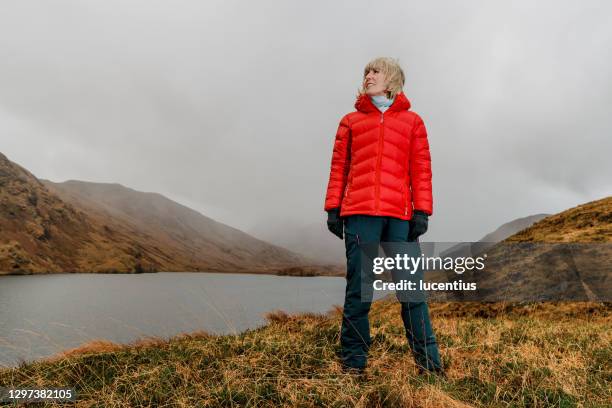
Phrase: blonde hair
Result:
[391,70]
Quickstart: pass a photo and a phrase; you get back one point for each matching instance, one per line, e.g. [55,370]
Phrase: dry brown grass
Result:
[544,354]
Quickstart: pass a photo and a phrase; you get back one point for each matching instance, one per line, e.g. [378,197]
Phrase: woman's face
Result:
[374,83]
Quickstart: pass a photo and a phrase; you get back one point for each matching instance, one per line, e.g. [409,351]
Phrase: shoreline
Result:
[495,355]
[444,308]
[335,269]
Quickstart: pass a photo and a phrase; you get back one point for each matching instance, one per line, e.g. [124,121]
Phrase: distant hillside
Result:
[501,233]
[567,256]
[77,226]
[199,237]
[590,222]
[512,227]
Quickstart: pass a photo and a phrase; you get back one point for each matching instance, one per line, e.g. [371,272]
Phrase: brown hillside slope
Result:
[29,219]
[49,228]
[590,222]
[502,232]
[40,233]
[190,234]
[567,256]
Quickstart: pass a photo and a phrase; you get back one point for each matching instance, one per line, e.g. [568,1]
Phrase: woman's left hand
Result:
[418,225]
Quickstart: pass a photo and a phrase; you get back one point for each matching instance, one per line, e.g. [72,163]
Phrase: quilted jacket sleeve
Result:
[340,164]
[420,169]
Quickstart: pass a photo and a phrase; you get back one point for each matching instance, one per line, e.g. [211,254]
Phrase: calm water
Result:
[42,315]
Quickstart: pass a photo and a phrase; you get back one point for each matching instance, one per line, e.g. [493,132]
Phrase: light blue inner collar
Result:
[382,102]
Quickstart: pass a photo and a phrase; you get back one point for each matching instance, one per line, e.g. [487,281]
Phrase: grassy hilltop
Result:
[547,354]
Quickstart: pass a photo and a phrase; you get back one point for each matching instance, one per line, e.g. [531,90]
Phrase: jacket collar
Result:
[365,104]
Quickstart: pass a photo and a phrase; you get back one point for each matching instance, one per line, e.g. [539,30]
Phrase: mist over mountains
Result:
[79,226]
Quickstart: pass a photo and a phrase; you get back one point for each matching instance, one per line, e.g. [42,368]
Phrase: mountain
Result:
[590,222]
[510,228]
[77,226]
[38,231]
[501,233]
[566,256]
[195,236]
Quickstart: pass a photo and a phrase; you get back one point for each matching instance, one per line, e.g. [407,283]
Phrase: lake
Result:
[41,315]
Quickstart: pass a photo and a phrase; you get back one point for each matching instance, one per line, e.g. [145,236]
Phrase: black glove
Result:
[417,225]
[335,223]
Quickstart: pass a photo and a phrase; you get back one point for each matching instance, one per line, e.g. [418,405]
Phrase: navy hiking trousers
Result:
[355,333]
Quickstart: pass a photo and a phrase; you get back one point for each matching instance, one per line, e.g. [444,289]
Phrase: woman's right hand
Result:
[335,223]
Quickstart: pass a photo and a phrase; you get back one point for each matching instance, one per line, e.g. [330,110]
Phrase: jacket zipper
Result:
[380,145]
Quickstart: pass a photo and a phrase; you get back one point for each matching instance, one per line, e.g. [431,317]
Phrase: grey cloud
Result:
[231,107]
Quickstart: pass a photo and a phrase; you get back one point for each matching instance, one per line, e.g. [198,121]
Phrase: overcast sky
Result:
[231,107]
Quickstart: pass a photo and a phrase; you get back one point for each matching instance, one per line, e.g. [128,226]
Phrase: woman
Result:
[379,190]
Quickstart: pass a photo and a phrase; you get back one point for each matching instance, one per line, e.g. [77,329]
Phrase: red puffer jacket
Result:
[381,163]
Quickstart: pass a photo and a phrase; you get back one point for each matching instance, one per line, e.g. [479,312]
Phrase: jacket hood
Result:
[365,104]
